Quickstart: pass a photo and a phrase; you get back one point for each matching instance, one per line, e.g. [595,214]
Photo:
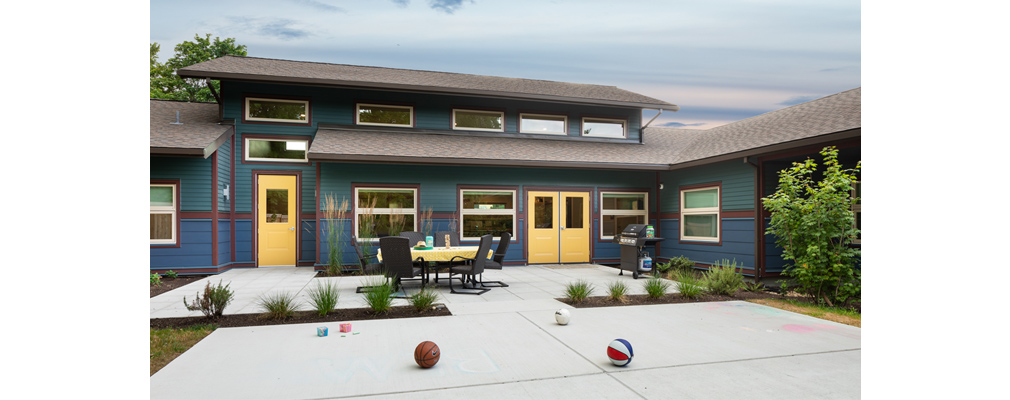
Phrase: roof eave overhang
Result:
[204,152]
[418,89]
[378,159]
[775,148]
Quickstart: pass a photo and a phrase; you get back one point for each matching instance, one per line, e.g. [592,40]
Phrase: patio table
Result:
[442,254]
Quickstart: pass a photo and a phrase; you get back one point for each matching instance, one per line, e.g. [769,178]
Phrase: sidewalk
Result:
[509,346]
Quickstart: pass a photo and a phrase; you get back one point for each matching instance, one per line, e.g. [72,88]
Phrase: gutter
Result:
[641,132]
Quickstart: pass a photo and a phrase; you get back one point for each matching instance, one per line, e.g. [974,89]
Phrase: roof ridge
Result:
[803,104]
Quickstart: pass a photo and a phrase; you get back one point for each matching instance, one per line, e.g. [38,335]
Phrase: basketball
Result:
[426,354]
[620,352]
[562,316]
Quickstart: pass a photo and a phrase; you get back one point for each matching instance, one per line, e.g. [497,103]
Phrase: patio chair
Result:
[496,261]
[473,267]
[413,236]
[366,267]
[396,259]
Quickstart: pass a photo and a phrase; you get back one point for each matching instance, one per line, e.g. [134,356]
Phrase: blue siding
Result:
[224,241]
[223,175]
[194,175]
[737,243]
[194,249]
[737,180]
[243,240]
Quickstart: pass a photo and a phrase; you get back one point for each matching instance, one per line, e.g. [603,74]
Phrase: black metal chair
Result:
[366,267]
[413,236]
[496,261]
[397,261]
[472,267]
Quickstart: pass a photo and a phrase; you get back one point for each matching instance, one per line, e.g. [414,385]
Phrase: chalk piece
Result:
[343,335]
[322,331]
[356,333]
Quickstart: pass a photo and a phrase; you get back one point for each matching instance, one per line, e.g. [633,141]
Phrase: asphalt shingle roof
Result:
[302,72]
[199,134]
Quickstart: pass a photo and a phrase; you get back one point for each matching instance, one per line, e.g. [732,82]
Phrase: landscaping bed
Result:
[173,283]
[300,317]
[675,298]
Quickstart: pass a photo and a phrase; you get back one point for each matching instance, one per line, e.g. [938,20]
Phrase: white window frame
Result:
[358,211]
[603,212]
[623,122]
[463,212]
[291,121]
[245,149]
[534,116]
[170,210]
[857,208]
[702,211]
[501,115]
[357,114]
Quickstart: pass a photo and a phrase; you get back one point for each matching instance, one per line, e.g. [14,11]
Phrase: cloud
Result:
[446,6]
[279,28]
[680,125]
[792,101]
[318,5]
[401,3]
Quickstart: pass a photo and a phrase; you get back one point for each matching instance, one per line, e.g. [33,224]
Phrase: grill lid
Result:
[634,230]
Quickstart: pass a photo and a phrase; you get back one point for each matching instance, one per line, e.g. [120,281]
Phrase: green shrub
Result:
[753,286]
[681,264]
[656,287]
[213,302]
[424,299]
[156,279]
[616,290]
[377,296]
[812,221]
[278,305]
[578,291]
[171,274]
[663,267]
[688,284]
[722,278]
[323,298]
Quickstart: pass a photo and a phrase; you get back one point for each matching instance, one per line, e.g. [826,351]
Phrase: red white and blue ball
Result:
[620,352]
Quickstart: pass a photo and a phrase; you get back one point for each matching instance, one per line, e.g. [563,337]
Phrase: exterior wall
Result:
[195,240]
[431,111]
[737,184]
[439,189]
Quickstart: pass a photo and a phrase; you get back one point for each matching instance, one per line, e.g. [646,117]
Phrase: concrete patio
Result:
[505,344]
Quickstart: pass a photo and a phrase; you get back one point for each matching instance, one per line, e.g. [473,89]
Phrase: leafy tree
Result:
[814,225]
[165,84]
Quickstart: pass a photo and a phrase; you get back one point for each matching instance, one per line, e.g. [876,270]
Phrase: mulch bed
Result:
[172,283]
[300,317]
[674,298]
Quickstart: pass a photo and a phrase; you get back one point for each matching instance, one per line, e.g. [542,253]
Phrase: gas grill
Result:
[633,240]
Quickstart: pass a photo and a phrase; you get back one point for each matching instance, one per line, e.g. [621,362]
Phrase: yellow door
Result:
[574,229]
[558,229]
[277,217]
[542,231]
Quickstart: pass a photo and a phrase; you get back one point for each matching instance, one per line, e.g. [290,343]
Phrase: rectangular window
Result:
[620,209]
[604,127]
[374,114]
[163,214]
[487,212]
[470,120]
[276,150]
[699,214]
[276,110]
[384,212]
[546,124]
[857,209]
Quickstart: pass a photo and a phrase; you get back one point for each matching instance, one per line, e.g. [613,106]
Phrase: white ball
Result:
[562,316]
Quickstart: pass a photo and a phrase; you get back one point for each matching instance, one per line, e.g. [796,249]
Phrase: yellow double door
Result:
[558,229]
[277,207]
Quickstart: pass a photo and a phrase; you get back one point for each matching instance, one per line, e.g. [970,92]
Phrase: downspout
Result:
[641,132]
[758,220]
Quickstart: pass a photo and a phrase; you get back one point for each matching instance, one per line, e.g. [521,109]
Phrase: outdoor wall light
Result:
[224,192]
[660,186]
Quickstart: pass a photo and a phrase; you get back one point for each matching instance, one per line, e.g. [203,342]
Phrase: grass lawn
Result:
[833,314]
[167,344]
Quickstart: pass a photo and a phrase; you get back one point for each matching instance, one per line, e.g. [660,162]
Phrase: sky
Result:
[720,61]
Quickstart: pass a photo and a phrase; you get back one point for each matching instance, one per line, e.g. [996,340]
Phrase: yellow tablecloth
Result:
[443,254]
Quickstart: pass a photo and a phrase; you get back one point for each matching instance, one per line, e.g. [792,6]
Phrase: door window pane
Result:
[277,206]
[573,212]
[543,212]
